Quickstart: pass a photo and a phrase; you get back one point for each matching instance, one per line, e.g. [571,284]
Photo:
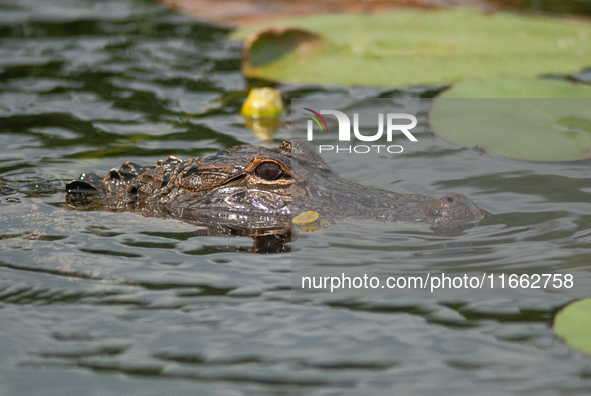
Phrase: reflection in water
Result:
[110,303]
[264,128]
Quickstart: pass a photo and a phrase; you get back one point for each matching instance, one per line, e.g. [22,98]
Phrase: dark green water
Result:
[99,303]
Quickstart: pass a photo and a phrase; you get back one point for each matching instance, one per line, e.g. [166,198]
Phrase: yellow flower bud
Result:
[262,103]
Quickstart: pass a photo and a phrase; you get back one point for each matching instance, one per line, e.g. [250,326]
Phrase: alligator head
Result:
[248,190]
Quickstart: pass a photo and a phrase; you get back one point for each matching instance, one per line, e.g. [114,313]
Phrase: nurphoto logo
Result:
[345,131]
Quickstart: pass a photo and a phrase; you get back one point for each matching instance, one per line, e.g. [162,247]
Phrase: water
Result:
[101,303]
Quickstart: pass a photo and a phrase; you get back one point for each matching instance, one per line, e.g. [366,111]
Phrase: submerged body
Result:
[255,191]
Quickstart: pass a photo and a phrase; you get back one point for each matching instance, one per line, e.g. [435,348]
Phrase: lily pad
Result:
[527,119]
[306,218]
[413,47]
[517,88]
[269,45]
[573,324]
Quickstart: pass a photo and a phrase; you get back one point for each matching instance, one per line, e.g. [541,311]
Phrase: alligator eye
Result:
[268,171]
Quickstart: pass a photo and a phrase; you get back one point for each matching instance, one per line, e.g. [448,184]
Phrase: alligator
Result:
[247,190]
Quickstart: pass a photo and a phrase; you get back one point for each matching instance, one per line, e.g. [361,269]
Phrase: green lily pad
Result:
[527,119]
[413,47]
[573,324]
[517,88]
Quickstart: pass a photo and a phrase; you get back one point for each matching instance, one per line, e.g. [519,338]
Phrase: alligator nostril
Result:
[449,199]
[114,174]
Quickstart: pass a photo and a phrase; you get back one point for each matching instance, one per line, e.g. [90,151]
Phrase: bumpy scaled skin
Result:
[254,191]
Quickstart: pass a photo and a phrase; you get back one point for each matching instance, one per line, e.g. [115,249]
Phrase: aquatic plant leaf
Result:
[517,88]
[527,119]
[305,218]
[270,45]
[413,47]
[573,324]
